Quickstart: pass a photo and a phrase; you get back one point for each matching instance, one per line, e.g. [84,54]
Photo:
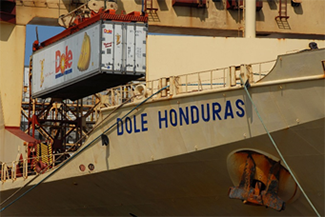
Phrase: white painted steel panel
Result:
[118,47]
[124,48]
[130,47]
[107,46]
[57,64]
[140,48]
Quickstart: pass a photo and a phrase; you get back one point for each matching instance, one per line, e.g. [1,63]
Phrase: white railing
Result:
[187,83]
[201,81]
[182,84]
[261,69]
[8,171]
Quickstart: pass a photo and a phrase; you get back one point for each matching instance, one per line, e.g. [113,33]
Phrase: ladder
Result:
[148,6]
[151,11]
[282,10]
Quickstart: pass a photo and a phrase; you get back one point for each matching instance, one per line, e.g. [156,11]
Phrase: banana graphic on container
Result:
[84,58]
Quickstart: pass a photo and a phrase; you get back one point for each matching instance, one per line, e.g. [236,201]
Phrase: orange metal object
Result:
[282,10]
[101,15]
[245,191]
[19,133]
[259,181]
[41,166]
[269,196]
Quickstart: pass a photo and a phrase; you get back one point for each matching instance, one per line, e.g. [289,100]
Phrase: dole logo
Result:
[109,31]
[109,44]
[63,61]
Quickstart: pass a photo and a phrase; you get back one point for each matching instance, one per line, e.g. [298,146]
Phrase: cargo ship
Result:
[237,140]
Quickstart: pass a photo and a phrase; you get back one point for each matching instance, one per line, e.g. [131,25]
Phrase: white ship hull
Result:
[171,156]
[194,184]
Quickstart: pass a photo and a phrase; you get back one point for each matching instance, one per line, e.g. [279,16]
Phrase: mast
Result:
[250,18]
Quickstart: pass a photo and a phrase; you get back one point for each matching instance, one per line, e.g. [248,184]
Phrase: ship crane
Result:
[57,119]
[85,11]
[65,117]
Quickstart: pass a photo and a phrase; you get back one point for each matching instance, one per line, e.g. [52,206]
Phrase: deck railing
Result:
[24,168]
[187,83]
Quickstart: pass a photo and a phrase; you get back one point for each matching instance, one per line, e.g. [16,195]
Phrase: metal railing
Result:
[24,168]
[187,83]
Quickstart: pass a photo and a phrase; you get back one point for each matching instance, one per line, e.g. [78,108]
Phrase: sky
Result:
[44,33]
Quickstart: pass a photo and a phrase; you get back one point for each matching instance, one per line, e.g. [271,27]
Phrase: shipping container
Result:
[102,55]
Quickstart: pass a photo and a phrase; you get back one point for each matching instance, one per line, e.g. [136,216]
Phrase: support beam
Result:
[250,18]
[12,43]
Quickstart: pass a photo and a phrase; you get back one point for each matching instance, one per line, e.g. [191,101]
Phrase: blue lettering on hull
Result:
[139,124]
[183,116]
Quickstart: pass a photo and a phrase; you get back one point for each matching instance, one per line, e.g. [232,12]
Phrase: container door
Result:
[124,48]
[130,48]
[140,48]
[118,47]
[107,47]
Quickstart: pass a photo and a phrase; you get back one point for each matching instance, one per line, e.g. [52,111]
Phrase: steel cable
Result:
[279,152]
